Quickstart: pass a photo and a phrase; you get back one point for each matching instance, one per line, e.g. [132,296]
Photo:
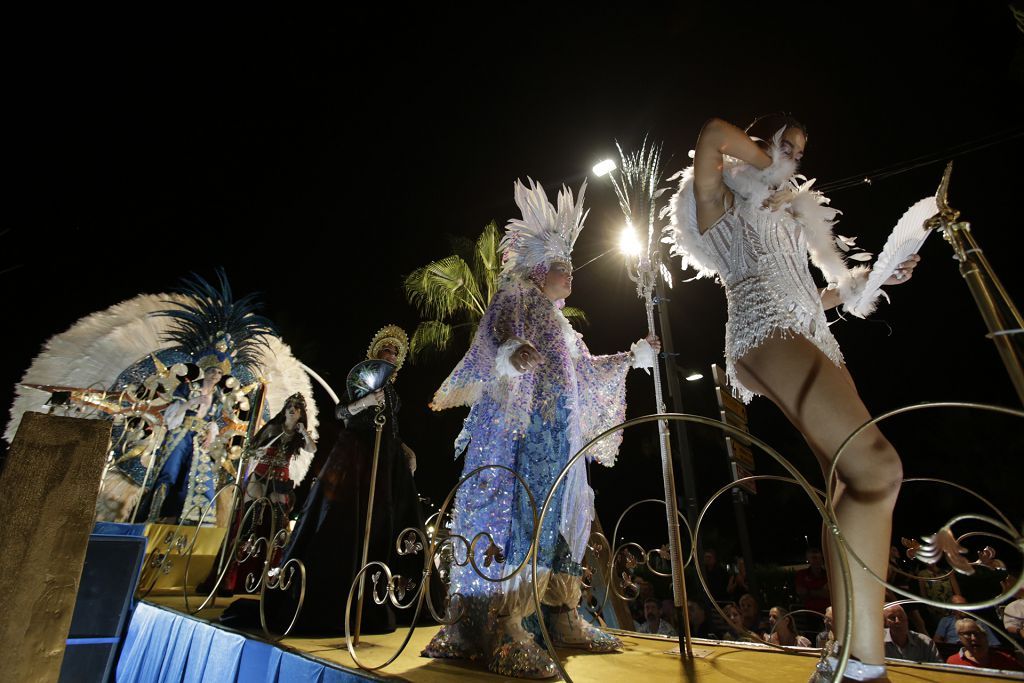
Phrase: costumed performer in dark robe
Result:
[328,537]
[536,396]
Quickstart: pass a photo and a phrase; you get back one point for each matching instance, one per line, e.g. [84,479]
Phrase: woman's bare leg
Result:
[821,401]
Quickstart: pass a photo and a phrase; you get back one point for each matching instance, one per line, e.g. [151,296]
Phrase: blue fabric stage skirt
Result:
[163,645]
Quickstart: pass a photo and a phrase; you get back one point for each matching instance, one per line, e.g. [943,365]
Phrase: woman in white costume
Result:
[740,214]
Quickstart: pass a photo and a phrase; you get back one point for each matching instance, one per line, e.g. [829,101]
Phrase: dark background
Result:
[321,159]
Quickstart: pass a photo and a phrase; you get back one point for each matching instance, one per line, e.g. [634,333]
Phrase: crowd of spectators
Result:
[956,637]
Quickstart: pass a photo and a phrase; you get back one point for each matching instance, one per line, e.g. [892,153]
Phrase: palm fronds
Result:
[453,295]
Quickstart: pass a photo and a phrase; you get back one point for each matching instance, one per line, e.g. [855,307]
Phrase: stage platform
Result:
[162,639]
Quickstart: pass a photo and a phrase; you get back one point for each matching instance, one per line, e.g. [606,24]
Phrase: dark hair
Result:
[766,126]
[275,426]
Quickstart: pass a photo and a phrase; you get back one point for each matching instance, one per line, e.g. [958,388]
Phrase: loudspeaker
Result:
[109,577]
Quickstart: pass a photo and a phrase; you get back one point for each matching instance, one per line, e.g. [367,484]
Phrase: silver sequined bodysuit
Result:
[762,263]
[761,258]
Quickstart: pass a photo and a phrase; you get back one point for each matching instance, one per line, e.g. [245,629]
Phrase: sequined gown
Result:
[531,424]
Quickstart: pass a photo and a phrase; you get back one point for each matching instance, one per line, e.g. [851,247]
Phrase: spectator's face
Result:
[828,617]
[710,559]
[958,600]
[896,621]
[749,607]
[696,613]
[973,638]
[735,618]
[652,610]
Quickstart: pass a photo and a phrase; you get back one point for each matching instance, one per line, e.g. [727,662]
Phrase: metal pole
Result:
[682,440]
[378,420]
[987,290]
[645,283]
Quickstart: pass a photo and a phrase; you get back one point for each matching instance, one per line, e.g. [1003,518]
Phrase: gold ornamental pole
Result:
[379,421]
[1003,320]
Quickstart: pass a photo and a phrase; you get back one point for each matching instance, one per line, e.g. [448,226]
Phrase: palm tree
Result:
[453,295]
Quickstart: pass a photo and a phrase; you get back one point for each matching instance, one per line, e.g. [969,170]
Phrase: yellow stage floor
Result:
[645,658]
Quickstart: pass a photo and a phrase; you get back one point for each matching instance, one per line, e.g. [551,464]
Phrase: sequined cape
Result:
[532,424]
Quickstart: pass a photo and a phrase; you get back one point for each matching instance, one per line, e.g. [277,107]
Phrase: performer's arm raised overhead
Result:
[742,214]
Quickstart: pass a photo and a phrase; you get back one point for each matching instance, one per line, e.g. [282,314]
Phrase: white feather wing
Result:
[905,239]
[98,347]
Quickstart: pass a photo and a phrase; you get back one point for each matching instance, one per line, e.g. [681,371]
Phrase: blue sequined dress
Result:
[531,423]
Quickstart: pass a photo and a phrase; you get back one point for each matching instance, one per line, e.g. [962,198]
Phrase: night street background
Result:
[321,159]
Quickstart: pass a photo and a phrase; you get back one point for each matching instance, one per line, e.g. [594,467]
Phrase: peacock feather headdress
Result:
[214,328]
[545,233]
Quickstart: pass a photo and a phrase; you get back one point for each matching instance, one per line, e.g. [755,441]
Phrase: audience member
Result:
[1013,613]
[715,575]
[821,640]
[699,626]
[975,651]
[783,629]
[653,623]
[812,582]
[751,611]
[946,631]
[902,643]
[735,629]
[937,585]
[737,585]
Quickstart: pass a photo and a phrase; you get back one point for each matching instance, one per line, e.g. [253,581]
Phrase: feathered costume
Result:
[125,349]
[760,256]
[531,423]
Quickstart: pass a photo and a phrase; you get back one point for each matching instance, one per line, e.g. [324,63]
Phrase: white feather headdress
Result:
[544,233]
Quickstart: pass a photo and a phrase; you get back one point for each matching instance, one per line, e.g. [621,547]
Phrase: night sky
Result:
[321,159]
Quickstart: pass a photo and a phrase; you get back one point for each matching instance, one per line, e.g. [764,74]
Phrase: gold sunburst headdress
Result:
[393,335]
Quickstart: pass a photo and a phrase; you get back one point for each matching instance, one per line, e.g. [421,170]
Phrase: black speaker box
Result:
[109,577]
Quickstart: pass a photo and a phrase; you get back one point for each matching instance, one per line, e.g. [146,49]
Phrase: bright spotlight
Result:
[628,243]
[694,376]
[604,167]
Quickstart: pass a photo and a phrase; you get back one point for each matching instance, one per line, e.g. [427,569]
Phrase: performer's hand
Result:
[410,458]
[526,358]
[655,343]
[904,272]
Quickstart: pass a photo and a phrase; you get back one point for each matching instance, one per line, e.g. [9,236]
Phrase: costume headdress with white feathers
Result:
[545,233]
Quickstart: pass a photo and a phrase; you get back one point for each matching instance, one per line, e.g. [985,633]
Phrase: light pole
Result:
[637,189]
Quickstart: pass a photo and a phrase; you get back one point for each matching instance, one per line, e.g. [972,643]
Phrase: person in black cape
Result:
[328,537]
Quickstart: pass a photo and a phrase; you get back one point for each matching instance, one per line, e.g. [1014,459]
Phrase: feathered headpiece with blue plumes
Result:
[214,328]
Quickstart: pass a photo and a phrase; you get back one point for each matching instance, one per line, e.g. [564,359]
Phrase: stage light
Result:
[604,167]
[628,243]
[694,376]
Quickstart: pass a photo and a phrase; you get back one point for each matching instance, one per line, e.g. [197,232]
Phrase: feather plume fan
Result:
[96,349]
